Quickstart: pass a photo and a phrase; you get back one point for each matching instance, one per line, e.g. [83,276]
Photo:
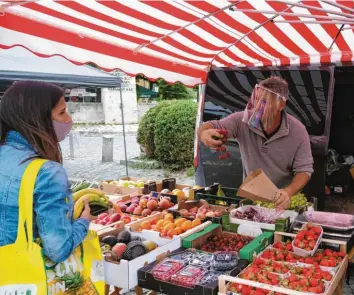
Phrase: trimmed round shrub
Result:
[174,134]
[146,128]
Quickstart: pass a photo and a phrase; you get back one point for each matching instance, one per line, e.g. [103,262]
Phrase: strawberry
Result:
[314,282]
[324,262]
[280,257]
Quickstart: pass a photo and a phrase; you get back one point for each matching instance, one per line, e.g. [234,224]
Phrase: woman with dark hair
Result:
[33,120]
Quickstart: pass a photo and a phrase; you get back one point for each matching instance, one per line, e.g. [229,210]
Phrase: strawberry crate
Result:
[335,286]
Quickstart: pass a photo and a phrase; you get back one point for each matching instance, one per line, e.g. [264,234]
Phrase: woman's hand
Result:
[87,211]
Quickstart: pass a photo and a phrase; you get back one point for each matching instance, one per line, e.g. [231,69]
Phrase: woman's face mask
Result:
[62,129]
[61,119]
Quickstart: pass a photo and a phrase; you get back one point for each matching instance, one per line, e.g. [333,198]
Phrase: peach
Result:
[137,211]
[143,203]
[164,204]
[152,205]
[146,212]
[184,213]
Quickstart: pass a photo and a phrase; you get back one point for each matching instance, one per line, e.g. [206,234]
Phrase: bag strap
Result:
[25,203]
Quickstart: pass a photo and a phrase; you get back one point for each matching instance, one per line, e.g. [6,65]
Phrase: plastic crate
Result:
[211,197]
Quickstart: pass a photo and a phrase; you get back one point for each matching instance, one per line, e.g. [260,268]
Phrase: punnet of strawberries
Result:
[284,246]
[246,290]
[307,238]
[325,258]
[303,284]
[312,273]
[279,255]
[272,266]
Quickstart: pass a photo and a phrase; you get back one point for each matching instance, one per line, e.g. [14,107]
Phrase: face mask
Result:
[62,129]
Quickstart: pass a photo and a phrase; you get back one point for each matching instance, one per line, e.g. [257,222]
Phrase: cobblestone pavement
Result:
[87,163]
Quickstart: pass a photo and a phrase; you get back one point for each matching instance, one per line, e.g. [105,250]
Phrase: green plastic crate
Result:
[281,224]
[256,246]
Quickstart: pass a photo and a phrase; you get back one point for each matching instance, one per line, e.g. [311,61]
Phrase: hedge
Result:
[174,134]
[147,127]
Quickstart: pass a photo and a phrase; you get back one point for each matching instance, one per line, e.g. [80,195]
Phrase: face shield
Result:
[262,107]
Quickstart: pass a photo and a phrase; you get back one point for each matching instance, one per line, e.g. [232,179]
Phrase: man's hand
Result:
[282,200]
[87,211]
[207,135]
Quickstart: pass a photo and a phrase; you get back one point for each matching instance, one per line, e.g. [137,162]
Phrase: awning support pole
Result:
[123,126]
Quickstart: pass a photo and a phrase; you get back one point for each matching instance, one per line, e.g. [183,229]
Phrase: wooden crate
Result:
[335,287]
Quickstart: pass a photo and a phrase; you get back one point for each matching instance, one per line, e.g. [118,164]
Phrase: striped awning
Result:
[181,40]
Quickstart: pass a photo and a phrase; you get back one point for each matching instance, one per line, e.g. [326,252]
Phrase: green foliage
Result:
[175,91]
[147,128]
[190,171]
[174,134]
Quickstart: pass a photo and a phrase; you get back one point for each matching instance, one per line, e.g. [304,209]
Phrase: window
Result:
[228,92]
[85,95]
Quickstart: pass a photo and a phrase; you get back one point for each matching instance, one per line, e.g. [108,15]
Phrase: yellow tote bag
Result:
[23,268]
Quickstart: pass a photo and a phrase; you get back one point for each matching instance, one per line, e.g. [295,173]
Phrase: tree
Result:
[175,91]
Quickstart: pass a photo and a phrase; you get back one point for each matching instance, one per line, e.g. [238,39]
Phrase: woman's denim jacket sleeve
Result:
[53,208]
[53,203]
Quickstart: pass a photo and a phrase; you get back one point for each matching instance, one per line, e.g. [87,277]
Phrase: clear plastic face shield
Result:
[262,107]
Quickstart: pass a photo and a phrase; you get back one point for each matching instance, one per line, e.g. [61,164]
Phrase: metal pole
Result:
[71,144]
[123,125]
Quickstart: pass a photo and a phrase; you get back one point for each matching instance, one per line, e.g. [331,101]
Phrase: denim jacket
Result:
[53,203]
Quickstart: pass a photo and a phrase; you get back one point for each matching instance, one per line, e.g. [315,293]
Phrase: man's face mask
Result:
[262,107]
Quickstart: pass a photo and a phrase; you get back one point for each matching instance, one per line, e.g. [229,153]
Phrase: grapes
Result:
[297,201]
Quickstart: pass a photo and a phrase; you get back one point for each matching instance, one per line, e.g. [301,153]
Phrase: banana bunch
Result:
[97,200]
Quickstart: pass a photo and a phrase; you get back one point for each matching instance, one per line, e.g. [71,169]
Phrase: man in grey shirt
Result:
[269,139]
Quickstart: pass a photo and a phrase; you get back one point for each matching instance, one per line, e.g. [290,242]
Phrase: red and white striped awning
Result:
[180,40]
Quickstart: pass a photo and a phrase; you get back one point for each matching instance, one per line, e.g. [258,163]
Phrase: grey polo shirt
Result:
[281,156]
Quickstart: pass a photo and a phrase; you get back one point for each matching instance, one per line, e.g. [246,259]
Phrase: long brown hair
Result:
[26,107]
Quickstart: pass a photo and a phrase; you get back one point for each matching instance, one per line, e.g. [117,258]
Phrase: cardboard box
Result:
[112,188]
[124,274]
[147,281]
[258,187]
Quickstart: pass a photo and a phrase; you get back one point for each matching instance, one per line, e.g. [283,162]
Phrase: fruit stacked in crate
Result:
[143,205]
[166,226]
[292,265]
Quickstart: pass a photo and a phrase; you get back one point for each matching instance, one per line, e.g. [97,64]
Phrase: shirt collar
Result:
[13,137]
[283,129]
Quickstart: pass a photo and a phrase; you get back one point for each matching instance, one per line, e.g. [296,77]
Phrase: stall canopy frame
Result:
[181,40]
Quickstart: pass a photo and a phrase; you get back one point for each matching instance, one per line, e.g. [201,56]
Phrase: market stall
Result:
[151,236]
[207,241]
